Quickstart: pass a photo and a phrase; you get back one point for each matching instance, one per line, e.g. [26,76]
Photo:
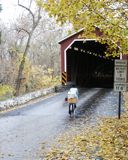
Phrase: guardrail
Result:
[10,103]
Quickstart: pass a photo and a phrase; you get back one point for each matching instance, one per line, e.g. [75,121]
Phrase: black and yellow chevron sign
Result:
[64,78]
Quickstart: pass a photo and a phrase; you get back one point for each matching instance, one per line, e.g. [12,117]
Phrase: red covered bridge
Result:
[83,61]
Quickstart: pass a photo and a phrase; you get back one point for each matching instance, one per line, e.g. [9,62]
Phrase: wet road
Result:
[23,131]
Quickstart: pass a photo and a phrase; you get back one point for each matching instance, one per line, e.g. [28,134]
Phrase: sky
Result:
[10,10]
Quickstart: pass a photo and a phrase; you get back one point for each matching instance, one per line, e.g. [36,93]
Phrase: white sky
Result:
[10,10]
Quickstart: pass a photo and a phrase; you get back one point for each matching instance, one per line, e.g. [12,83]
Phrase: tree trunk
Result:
[30,33]
[21,67]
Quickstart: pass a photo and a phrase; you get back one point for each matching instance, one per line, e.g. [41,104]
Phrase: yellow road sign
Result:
[64,78]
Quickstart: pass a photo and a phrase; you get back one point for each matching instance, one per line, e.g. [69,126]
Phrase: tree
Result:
[0,7]
[0,31]
[42,55]
[110,16]
[35,21]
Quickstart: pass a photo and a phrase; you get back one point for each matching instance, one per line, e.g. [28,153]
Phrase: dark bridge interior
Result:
[87,65]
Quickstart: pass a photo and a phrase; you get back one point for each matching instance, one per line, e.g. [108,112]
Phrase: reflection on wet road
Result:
[24,130]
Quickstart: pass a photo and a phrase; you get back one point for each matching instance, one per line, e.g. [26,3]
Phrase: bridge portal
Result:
[84,63]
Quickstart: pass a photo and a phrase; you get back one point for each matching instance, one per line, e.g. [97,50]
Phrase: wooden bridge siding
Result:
[64,45]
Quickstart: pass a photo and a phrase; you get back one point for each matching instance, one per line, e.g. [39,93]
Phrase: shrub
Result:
[6,92]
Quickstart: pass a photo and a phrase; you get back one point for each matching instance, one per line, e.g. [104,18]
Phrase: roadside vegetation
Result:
[29,51]
[108,140]
[6,91]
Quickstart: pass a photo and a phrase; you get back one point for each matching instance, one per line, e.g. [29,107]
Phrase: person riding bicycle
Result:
[72,99]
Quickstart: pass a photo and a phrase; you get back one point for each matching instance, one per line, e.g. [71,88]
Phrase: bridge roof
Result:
[71,36]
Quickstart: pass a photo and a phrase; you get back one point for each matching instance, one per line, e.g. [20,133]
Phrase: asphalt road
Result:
[23,131]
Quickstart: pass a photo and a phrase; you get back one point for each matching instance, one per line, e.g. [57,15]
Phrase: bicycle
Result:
[72,107]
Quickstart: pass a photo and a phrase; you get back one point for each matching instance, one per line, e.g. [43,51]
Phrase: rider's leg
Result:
[73,108]
[70,108]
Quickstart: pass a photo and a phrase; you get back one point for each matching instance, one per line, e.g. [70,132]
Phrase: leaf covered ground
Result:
[108,140]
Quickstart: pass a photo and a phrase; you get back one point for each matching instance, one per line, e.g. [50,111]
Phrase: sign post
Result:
[119,109]
[120,79]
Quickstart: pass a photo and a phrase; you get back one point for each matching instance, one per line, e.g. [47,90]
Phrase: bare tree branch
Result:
[22,29]
[28,9]
[38,19]
[30,3]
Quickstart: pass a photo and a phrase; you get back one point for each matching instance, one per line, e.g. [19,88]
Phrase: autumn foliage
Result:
[109,15]
[108,140]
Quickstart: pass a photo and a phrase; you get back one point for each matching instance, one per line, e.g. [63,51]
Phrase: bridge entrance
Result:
[85,63]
